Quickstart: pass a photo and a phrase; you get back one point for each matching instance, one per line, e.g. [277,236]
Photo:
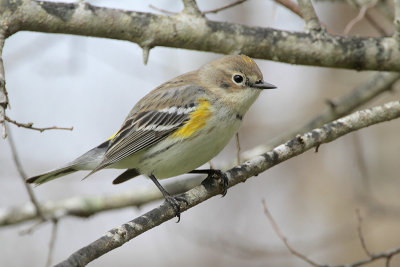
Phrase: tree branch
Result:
[52,243]
[198,33]
[29,125]
[387,255]
[284,238]
[361,14]
[3,91]
[397,20]
[309,15]
[88,206]
[289,4]
[23,177]
[190,7]
[379,83]
[209,188]
[216,10]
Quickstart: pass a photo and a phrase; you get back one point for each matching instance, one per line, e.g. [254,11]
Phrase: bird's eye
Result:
[237,78]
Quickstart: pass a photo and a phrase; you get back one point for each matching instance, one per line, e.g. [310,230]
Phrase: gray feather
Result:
[87,161]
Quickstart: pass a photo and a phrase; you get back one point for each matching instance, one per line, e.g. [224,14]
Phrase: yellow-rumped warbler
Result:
[178,126]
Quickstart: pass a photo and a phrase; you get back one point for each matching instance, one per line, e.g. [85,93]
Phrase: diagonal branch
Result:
[284,238]
[88,206]
[361,14]
[292,6]
[386,255]
[216,10]
[210,187]
[38,212]
[379,83]
[360,53]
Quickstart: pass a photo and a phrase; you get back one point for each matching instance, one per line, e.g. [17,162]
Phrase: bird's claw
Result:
[174,202]
[218,174]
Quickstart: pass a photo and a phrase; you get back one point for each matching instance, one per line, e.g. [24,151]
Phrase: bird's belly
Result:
[173,157]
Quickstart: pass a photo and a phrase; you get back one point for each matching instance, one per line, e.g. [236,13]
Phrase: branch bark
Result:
[309,15]
[379,83]
[198,33]
[88,206]
[210,187]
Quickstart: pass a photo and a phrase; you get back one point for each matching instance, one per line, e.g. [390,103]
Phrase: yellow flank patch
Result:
[198,119]
[247,59]
[112,136]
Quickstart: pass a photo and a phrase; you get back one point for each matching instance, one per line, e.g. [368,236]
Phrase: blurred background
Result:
[92,83]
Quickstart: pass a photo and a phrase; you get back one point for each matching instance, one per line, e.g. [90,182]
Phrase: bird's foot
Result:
[174,202]
[218,174]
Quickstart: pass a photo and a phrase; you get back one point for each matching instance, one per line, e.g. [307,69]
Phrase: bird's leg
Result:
[212,174]
[172,200]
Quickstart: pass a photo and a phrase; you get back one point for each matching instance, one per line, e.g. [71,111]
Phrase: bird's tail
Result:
[51,175]
[88,161]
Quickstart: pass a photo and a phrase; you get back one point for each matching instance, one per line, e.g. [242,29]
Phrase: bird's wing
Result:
[146,129]
[147,125]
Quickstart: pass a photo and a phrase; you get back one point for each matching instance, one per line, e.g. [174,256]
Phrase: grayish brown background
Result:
[92,83]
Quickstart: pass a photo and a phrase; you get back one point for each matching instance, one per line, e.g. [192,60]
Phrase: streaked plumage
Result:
[178,126]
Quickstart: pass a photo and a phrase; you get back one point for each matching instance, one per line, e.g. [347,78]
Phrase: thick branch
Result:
[209,188]
[197,33]
[88,206]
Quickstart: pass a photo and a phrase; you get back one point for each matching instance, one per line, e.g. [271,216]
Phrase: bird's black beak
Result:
[263,85]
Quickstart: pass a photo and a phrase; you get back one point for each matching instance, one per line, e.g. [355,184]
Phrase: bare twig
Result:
[163,10]
[376,25]
[190,7]
[146,53]
[237,148]
[52,243]
[211,187]
[29,125]
[211,165]
[284,239]
[309,15]
[292,6]
[387,255]
[32,227]
[223,7]
[23,176]
[362,166]
[361,14]
[3,92]
[360,233]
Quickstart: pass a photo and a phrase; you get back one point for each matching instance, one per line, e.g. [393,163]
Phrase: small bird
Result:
[177,127]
